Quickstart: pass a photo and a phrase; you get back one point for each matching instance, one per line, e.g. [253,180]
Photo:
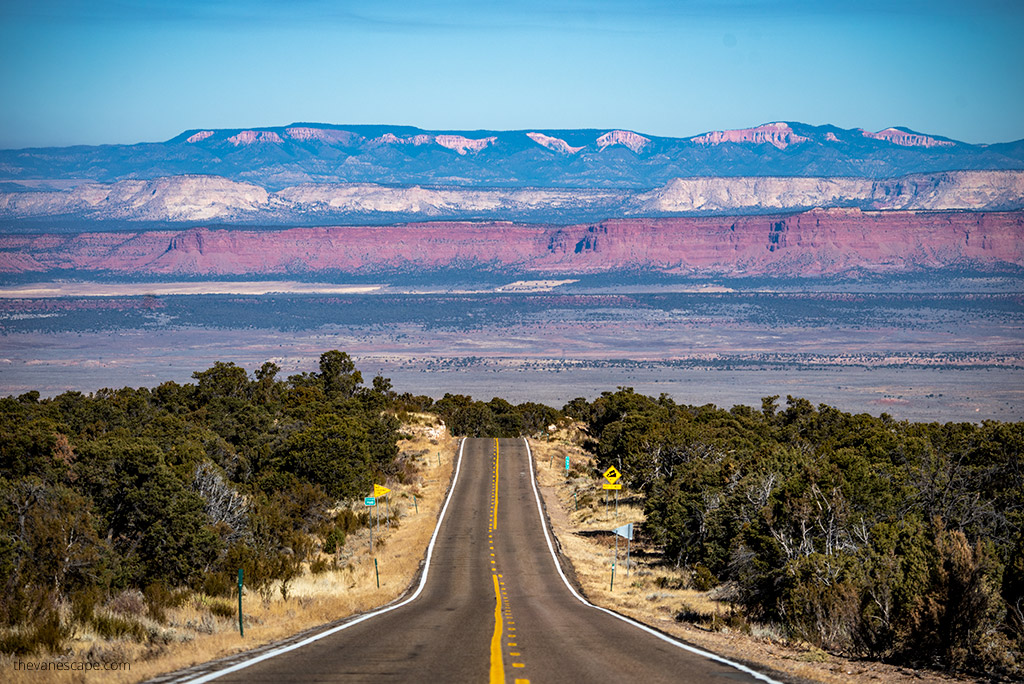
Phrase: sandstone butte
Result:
[817,242]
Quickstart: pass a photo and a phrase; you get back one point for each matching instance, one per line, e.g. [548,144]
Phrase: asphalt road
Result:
[493,607]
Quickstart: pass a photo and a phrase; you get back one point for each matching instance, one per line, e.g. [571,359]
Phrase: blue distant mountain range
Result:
[285,156]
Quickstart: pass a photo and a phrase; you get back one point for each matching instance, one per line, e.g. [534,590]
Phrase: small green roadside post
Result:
[241,576]
[415,504]
[376,572]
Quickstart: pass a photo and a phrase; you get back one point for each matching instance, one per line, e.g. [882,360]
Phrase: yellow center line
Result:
[497,455]
[497,666]
[497,662]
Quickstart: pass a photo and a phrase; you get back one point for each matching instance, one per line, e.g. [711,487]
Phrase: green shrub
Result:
[219,584]
[114,627]
[159,598]
[222,609]
[83,604]
[665,582]
[702,578]
[688,613]
[46,636]
[334,541]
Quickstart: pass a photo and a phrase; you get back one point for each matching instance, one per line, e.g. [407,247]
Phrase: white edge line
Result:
[558,566]
[334,630]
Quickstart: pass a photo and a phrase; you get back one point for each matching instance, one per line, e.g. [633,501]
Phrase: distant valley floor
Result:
[920,356]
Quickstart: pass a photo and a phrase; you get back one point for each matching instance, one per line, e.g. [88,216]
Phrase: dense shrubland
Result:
[159,493]
[494,418]
[861,535]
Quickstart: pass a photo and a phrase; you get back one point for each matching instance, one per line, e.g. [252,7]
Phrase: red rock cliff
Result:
[819,242]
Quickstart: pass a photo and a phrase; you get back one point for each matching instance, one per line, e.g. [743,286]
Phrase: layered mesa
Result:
[812,243]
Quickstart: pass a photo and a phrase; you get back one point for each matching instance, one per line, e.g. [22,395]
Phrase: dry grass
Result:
[194,634]
[656,594]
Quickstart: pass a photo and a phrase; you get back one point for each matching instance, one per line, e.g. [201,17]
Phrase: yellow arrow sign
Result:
[612,475]
[379,490]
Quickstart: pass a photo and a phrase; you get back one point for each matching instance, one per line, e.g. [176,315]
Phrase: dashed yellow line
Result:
[497,666]
[497,456]
[500,598]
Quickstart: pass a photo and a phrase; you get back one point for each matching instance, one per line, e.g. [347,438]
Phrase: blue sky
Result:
[124,71]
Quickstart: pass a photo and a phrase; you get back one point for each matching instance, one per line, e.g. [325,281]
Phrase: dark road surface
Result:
[493,607]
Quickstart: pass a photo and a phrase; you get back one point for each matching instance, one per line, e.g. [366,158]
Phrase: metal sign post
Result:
[241,629]
[627,532]
[616,561]
[372,502]
[612,475]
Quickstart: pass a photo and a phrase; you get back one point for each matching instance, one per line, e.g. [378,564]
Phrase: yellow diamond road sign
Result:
[379,491]
[612,475]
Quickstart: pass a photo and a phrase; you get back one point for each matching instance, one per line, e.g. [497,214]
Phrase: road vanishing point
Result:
[492,605]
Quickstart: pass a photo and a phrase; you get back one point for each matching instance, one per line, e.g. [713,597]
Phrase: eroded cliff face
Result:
[975,190]
[818,242]
[213,198]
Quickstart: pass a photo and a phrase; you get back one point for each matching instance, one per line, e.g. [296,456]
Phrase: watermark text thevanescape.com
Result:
[69,666]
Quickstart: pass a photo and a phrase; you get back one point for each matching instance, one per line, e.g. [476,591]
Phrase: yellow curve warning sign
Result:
[612,475]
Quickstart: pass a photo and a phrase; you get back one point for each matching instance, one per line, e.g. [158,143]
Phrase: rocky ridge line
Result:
[830,242]
[195,198]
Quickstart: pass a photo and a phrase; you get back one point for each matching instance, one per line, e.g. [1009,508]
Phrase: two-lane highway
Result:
[493,606]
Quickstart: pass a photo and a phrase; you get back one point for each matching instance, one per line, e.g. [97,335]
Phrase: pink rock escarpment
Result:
[324,135]
[778,134]
[633,141]
[392,139]
[251,137]
[817,242]
[898,137]
[196,137]
[462,144]
[552,143]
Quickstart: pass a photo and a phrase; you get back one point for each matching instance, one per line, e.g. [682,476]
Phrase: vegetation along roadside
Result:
[126,515]
[816,542]
[812,541]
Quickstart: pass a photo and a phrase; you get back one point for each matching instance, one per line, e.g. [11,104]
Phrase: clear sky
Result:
[123,71]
